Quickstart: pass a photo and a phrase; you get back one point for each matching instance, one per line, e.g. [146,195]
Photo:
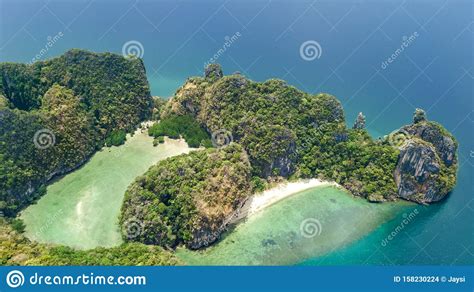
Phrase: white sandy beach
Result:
[286,189]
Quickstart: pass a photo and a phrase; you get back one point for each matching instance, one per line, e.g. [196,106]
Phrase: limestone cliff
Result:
[427,164]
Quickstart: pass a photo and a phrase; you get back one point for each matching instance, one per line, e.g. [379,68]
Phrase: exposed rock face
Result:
[283,164]
[332,109]
[204,235]
[419,116]
[417,172]
[427,164]
[206,232]
[188,199]
[189,95]
[359,123]
[213,71]
[433,133]
[278,150]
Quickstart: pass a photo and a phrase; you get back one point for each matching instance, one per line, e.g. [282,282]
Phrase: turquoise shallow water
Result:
[313,222]
[81,209]
[434,72]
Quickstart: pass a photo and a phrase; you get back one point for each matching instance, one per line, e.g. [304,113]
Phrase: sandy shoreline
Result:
[269,197]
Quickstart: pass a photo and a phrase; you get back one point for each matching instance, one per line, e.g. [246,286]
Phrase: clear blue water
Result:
[434,72]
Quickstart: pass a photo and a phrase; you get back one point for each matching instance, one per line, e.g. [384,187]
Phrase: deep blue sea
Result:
[382,58]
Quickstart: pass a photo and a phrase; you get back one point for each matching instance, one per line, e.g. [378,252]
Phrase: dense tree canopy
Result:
[186,199]
[181,126]
[15,249]
[290,133]
[55,114]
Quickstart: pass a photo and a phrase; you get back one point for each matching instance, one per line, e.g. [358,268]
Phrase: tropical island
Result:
[249,136]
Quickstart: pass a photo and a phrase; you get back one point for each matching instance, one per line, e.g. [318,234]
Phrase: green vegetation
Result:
[363,166]
[113,88]
[289,133]
[187,198]
[15,249]
[55,114]
[285,133]
[18,225]
[158,140]
[186,126]
[158,104]
[116,138]
[419,116]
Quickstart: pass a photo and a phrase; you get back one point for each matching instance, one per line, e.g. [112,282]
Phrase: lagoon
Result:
[81,209]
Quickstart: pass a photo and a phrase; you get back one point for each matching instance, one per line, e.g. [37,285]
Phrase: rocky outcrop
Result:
[417,172]
[359,123]
[186,100]
[282,164]
[274,155]
[213,71]
[435,134]
[203,234]
[188,199]
[419,116]
[206,232]
[427,164]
